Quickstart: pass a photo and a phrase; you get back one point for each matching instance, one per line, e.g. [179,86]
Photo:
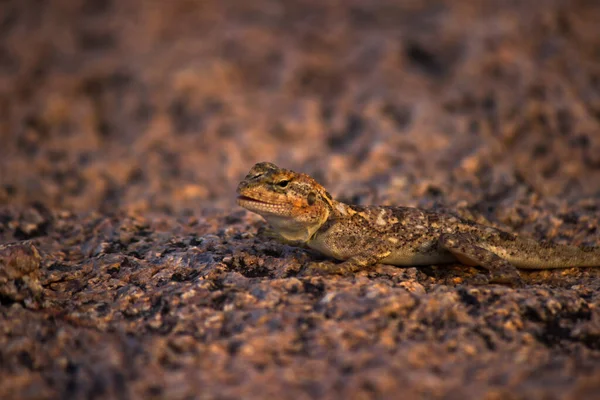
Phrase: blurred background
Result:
[165,105]
[125,127]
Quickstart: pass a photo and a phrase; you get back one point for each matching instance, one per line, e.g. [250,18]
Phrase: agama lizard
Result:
[301,211]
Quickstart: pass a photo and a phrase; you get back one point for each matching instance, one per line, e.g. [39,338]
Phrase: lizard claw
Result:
[511,279]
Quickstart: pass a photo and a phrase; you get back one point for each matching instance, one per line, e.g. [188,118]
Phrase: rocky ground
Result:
[127,271]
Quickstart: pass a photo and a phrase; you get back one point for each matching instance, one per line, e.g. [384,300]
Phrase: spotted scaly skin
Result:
[301,211]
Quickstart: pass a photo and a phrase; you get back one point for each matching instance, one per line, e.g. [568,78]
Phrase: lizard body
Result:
[301,211]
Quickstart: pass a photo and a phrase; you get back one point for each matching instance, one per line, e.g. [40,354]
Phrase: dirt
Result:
[127,270]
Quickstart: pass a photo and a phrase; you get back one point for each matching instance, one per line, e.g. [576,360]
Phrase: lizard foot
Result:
[351,265]
[334,268]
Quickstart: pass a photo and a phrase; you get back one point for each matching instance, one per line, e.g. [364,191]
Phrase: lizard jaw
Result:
[263,207]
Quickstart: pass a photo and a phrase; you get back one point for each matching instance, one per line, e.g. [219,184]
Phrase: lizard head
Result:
[294,204]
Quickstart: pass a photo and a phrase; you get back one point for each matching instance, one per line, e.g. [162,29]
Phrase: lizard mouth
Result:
[261,207]
[250,199]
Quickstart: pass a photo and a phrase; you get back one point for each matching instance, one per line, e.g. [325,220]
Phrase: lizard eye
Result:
[312,197]
[283,183]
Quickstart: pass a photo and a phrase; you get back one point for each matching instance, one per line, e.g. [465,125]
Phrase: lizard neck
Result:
[302,224]
[340,210]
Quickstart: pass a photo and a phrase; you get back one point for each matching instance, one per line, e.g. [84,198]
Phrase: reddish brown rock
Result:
[126,126]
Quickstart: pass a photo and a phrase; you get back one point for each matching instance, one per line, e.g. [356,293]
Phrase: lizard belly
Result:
[407,256]
[403,257]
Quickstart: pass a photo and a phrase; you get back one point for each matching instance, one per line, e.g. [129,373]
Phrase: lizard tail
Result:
[530,254]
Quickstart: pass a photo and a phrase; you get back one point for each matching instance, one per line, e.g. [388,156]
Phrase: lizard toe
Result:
[512,279]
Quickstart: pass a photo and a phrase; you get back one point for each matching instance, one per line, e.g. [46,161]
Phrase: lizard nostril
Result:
[243,185]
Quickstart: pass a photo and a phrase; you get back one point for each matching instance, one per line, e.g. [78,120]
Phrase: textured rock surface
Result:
[127,270]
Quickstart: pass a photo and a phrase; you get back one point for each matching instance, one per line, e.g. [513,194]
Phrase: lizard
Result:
[302,212]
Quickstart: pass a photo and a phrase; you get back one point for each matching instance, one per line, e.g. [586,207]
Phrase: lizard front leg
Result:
[464,247]
[272,234]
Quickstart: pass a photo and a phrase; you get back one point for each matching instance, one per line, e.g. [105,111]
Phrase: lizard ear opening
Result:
[312,197]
